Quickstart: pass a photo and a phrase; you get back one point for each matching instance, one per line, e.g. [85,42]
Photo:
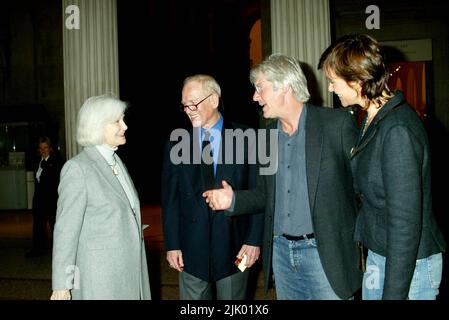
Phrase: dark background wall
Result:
[162,42]
[31,75]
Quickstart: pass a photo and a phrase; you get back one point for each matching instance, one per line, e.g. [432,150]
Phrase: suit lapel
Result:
[397,101]
[314,144]
[271,179]
[223,169]
[132,188]
[193,170]
[103,168]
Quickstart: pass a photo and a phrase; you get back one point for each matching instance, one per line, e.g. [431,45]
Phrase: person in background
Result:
[391,168]
[99,249]
[201,244]
[309,203]
[45,196]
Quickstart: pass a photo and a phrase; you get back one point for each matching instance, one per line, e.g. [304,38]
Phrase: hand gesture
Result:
[219,199]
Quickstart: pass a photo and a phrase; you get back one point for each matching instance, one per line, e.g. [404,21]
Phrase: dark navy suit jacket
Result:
[46,190]
[209,240]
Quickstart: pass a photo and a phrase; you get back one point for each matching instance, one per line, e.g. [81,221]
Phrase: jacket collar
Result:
[193,169]
[99,162]
[364,139]
[314,146]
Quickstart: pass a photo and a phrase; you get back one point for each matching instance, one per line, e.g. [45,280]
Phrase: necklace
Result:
[114,167]
[365,126]
[369,119]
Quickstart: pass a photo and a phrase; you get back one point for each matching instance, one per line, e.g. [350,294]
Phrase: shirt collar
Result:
[107,152]
[217,127]
[301,123]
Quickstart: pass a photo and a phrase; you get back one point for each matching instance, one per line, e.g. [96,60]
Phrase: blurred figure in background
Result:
[45,196]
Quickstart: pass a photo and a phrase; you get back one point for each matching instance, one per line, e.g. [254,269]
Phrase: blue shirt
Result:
[292,209]
[215,139]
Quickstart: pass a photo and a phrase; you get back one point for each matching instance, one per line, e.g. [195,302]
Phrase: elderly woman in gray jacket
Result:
[99,250]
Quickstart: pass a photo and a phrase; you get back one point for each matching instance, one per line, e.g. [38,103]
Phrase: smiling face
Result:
[206,113]
[347,92]
[114,133]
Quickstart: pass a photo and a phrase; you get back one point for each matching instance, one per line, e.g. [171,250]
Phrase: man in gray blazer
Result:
[309,203]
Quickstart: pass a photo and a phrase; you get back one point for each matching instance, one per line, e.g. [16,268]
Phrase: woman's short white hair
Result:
[95,113]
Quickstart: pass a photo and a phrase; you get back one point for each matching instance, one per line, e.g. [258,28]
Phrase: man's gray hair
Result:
[208,83]
[95,113]
[283,71]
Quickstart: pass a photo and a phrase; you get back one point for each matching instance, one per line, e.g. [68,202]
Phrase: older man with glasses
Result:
[201,244]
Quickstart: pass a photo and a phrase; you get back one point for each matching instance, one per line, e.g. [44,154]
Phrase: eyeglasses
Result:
[258,87]
[193,107]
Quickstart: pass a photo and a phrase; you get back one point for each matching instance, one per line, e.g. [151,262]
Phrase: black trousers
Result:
[44,214]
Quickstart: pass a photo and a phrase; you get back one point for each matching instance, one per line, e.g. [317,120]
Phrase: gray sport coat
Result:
[98,249]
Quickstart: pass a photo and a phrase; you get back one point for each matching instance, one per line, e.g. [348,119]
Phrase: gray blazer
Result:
[98,250]
[330,134]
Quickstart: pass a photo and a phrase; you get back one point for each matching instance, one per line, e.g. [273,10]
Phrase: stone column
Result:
[301,29]
[90,58]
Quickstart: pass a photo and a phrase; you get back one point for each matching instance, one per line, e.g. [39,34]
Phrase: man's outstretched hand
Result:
[219,199]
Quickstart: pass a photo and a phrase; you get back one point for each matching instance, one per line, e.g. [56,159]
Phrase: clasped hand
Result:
[219,199]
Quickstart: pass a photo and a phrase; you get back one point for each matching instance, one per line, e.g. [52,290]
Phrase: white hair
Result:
[283,71]
[95,113]
[208,83]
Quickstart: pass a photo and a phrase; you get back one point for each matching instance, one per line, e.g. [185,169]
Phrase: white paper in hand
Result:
[241,263]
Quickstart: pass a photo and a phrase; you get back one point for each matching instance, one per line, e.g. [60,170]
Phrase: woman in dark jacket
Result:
[391,166]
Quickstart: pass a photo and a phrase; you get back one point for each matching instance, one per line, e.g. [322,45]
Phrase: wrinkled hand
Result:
[61,295]
[174,258]
[252,254]
[219,199]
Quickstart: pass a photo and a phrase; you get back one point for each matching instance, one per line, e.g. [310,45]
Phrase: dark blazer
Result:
[209,240]
[330,135]
[46,189]
[391,166]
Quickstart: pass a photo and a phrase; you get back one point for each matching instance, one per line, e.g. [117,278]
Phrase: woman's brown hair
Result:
[359,58]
